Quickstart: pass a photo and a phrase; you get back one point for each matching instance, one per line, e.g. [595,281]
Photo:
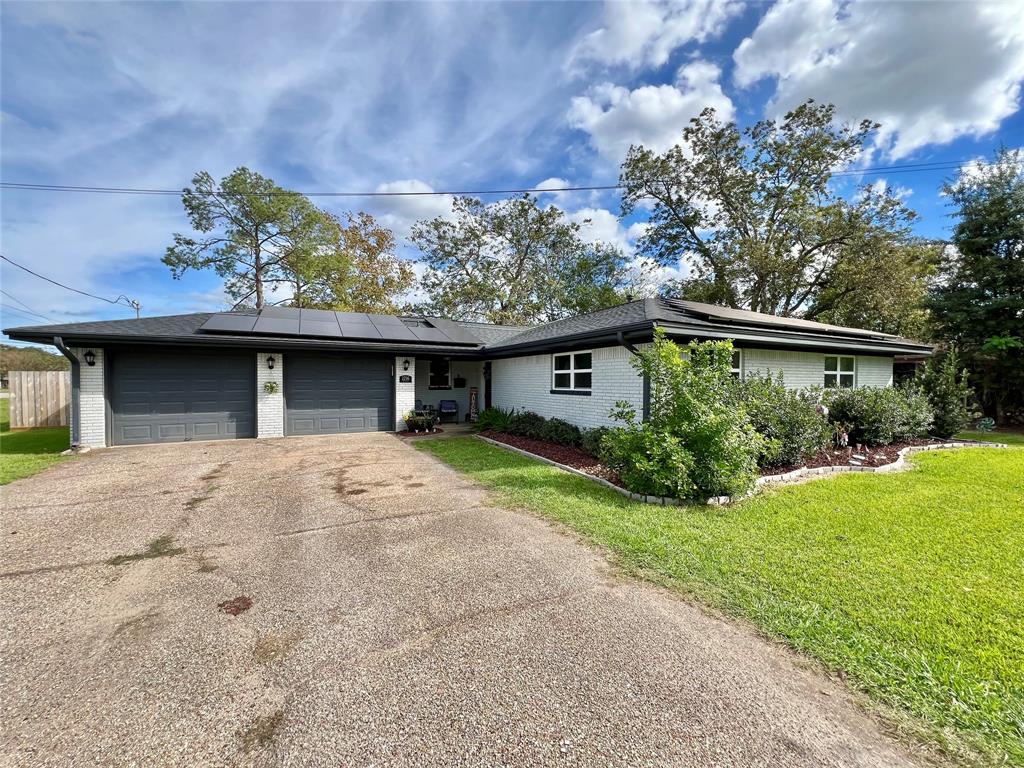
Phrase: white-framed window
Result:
[737,364]
[840,371]
[572,371]
[440,374]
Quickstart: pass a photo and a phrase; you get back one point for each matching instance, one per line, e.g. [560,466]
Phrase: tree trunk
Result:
[258,274]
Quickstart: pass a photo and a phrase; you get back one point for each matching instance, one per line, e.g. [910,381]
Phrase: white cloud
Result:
[652,115]
[400,212]
[644,34]
[930,72]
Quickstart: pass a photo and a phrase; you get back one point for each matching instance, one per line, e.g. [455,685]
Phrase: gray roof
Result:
[685,319]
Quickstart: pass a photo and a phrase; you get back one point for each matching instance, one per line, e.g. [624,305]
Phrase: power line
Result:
[28,315]
[121,300]
[937,165]
[26,306]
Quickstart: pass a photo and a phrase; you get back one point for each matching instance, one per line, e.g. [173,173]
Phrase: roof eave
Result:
[798,340]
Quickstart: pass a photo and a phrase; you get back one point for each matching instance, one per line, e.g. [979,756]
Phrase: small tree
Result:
[695,422]
[945,385]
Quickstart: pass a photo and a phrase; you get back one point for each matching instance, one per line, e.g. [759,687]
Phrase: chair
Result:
[449,408]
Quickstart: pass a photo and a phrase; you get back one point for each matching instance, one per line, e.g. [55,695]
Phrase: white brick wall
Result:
[874,371]
[524,383]
[405,394]
[92,402]
[269,407]
[807,369]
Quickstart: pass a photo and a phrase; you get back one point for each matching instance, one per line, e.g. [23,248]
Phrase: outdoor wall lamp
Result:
[270,362]
[405,365]
[90,357]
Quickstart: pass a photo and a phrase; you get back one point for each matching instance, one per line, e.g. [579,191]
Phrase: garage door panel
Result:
[330,393]
[173,397]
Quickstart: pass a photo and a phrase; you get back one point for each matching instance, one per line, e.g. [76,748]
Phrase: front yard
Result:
[25,452]
[911,586]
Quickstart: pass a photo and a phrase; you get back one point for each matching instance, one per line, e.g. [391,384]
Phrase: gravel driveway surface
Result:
[395,619]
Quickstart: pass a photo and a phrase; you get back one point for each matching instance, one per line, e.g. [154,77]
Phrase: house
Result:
[287,371]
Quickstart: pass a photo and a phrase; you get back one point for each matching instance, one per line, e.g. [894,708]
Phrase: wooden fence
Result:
[40,398]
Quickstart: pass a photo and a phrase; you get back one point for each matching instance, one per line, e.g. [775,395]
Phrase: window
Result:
[440,376]
[840,371]
[737,364]
[571,371]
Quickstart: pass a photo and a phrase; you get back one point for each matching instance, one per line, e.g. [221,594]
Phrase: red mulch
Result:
[563,454]
[236,605]
[876,456]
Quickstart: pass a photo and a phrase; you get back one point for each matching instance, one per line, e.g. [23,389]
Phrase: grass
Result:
[910,585]
[27,451]
[999,436]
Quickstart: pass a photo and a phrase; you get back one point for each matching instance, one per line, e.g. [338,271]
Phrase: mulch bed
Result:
[875,456]
[563,454]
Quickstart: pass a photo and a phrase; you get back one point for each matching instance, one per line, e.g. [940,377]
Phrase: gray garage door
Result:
[329,393]
[168,397]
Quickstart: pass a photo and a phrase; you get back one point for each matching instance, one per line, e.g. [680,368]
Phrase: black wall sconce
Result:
[405,365]
[270,362]
[90,357]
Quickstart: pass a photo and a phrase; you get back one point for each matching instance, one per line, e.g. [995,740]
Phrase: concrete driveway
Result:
[396,619]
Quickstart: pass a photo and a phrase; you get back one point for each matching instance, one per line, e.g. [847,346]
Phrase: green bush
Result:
[420,423]
[561,432]
[789,422]
[526,424]
[649,461]
[945,385]
[494,419]
[879,416]
[696,421]
[592,439]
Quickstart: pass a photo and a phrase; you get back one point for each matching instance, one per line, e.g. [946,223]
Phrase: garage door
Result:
[327,393]
[169,397]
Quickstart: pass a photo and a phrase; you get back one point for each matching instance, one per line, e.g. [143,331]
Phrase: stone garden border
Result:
[766,480]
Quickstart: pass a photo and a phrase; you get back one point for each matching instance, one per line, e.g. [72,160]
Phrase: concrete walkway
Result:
[396,619]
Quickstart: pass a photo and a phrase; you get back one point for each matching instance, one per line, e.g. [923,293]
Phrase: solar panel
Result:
[393,328]
[234,322]
[277,326]
[425,333]
[357,325]
[282,312]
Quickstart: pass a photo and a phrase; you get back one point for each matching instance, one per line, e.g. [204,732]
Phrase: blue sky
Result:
[396,96]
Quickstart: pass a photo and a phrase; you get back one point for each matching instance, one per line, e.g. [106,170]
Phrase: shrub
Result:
[561,432]
[879,416]
[649,461]
[419,423]
[789,423]
[591,441]
[494,419]
[945,386]
[695,421]
[526,424]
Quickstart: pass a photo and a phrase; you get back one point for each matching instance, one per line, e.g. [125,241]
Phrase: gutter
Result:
[76,394]
[623,343]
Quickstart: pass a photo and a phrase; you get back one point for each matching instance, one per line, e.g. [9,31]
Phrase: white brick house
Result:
[285,371]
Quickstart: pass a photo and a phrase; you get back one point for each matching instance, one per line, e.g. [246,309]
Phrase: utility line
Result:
[937,165]
[121,300]
[26,306]
[29,315]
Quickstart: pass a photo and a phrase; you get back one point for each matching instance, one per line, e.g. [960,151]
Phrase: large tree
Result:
[754,214]
[261,238]
[978,303]
[515,262]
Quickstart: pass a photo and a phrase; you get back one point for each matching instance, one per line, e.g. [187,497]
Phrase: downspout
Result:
[76,381]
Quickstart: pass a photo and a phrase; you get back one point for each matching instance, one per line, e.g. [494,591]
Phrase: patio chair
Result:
[449,408]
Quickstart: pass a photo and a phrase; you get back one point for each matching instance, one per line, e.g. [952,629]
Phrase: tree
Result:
[754,215]
[30,359]
[945,384]
[978,303]
[514,262]
[358,271]
[260,237]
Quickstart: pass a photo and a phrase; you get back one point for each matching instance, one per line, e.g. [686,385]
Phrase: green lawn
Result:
[911,585]
[1010,438]
[27,451]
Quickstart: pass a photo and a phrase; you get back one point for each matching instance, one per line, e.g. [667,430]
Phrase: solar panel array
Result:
[321,323]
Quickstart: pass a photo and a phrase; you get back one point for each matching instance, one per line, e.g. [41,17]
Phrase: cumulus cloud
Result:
[653,115]
[400,212]
[930,72]
[644,34]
